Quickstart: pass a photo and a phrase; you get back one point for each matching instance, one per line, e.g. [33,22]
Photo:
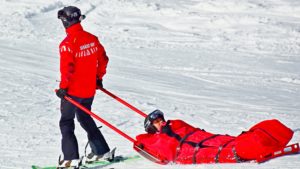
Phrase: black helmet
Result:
[70,15]
[149,127]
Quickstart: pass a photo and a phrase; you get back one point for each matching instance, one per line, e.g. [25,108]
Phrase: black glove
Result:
[99,83]
[61,93]
[166,129]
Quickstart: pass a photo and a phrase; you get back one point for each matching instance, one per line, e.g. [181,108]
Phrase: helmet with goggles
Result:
[70,15]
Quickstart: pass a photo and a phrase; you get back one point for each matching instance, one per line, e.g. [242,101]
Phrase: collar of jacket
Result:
[74,28]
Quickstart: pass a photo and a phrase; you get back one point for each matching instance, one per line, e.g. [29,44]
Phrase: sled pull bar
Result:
[98,118]
[123,102]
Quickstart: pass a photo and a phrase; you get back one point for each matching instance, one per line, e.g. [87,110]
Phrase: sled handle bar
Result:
[123,102]
[98,118]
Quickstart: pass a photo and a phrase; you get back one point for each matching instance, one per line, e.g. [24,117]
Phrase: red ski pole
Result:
[98,118]
[136,147]
[123,102]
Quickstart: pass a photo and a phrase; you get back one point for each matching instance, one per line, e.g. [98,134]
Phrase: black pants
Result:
[67,126]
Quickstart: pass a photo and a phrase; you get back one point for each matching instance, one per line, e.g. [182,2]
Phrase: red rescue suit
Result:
[82,60]
[184,144]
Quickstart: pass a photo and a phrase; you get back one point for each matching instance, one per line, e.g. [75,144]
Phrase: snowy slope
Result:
[221,66]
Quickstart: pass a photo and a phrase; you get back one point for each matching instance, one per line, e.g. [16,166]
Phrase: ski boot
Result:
[109,156]
[69,164]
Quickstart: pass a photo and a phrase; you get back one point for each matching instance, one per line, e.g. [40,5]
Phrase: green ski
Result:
[97,164]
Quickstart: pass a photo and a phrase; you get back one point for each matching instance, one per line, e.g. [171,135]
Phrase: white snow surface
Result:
[219,65]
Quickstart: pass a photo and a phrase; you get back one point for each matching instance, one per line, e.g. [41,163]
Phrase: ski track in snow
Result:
[221,66]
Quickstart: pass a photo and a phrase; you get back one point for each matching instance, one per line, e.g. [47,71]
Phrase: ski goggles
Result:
[62,15]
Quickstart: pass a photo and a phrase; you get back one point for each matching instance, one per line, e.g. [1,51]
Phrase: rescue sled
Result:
[159,159]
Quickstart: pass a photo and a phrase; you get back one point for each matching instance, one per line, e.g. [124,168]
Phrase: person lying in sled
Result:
[178,142]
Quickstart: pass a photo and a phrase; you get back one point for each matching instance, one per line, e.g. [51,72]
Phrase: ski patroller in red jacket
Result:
[185,144]
[82,60]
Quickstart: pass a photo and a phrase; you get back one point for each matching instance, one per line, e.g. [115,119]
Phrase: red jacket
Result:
[82,60]
[261,139]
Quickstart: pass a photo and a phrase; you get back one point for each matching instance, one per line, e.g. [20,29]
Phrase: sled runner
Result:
[290,149]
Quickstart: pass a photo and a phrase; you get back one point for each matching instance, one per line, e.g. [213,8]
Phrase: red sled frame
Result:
[290,149]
